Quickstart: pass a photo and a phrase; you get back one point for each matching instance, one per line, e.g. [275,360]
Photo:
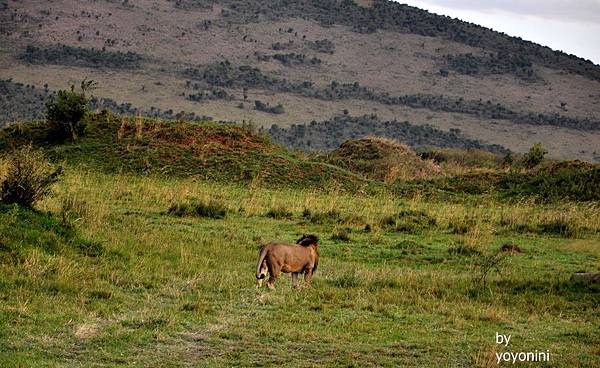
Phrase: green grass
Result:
[145,256]
[163,290]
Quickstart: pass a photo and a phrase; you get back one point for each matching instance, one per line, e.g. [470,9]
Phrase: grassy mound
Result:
[213,151]
[382,159]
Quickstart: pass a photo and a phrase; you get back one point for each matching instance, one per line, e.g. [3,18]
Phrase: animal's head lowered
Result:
[308,240]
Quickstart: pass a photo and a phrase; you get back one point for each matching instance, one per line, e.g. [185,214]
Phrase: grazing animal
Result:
[274,258]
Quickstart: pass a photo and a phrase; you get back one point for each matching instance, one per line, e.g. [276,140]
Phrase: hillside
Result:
[203,151]
[295,62]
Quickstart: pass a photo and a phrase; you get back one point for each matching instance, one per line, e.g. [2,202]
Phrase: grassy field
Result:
[111,278]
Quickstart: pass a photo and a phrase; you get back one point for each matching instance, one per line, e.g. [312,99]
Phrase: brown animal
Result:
[302,257]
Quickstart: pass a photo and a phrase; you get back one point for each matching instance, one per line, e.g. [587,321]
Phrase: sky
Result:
[572,26]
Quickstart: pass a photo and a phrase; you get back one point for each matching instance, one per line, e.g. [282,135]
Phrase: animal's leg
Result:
[295,280]
[271,283]
[307,277]
[274,271]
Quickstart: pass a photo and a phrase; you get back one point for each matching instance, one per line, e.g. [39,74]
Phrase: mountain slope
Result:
[304,61]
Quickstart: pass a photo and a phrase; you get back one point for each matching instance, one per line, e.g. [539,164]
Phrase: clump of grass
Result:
[197,306]
[408,221]
[329,217]
[346,280]
[341,235]
[100,294]
[90,248]
[472,242]
[212,209]
[73,209]
[464,250]
[554,222]
[279,213]
[332,216]
[408,246]
[561,226]
[462,224]
[384,283]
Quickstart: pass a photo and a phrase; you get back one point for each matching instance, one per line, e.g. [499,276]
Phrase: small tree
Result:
[65,113]
[535,156]
[28,178]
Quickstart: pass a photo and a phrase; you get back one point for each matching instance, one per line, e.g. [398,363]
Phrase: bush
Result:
[66,112]
[212,209]
[29,177]
[265,107]
[535,156]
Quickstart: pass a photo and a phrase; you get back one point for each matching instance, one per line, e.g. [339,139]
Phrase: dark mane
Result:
[308,240]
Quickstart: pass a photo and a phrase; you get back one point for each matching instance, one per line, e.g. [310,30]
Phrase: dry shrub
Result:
[28,177]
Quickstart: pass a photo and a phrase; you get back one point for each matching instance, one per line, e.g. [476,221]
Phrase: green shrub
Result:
[567,181]
[66,112]
[212,209]
[534,156]
[573,180]
[29,177]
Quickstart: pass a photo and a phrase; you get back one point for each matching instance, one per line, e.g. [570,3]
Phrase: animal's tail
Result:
[260,267]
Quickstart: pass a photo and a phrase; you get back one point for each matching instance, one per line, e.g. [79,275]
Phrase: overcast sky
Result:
[572,26]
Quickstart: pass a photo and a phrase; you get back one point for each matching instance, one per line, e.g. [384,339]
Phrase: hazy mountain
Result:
[297,62]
